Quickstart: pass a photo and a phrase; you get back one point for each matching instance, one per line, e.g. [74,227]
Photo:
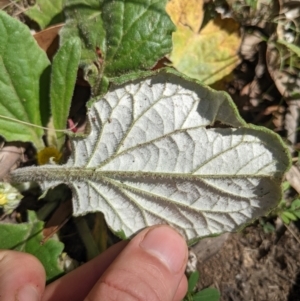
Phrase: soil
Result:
[255,266]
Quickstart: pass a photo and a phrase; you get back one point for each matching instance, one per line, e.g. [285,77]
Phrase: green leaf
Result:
[297,214]
[290,215]
[286,185]
[83,20]
[121,234]
[23,70]
[159,152]
[284,218]
[291,47]
[268,228]
[63,78]
[207,294]
[295,204]
[27,237]
[138,33]
[46,12]
[121,37]
[193,279]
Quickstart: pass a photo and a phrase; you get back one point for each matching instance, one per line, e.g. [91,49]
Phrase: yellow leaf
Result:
[186,13]
[208,54]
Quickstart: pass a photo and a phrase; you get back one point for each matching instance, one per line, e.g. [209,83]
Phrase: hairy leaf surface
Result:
[24,77]
[46,12]
[119,37]
[63,79]
[159,152]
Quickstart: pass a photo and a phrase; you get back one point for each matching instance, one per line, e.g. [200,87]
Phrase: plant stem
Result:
[86,237]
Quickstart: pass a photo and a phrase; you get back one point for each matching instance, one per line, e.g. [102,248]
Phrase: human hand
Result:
[149,267]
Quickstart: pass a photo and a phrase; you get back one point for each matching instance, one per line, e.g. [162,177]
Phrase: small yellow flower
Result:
[9,197]
[47,154]
[3,199]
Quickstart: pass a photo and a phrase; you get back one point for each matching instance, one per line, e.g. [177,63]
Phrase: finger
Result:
[182,289]
[149,268]
[22,277]
[77,284]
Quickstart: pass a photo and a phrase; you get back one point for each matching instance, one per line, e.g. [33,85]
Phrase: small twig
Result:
[293,233]
[66,131]
[286,278]
[22,9]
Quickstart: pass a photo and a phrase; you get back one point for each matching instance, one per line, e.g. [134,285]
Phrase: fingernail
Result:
[167,245]
[27,293]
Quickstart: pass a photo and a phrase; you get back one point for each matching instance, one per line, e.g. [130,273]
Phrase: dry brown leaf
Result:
[59,218]
[293,176]
[48,39]
[10,157]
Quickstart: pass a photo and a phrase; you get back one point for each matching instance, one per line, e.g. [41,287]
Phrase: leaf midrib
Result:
[69,174]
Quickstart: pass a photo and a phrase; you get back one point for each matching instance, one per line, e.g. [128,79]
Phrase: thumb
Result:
[22,277]
[151,268]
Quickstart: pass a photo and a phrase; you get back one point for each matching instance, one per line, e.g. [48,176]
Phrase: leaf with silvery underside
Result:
[156,155]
